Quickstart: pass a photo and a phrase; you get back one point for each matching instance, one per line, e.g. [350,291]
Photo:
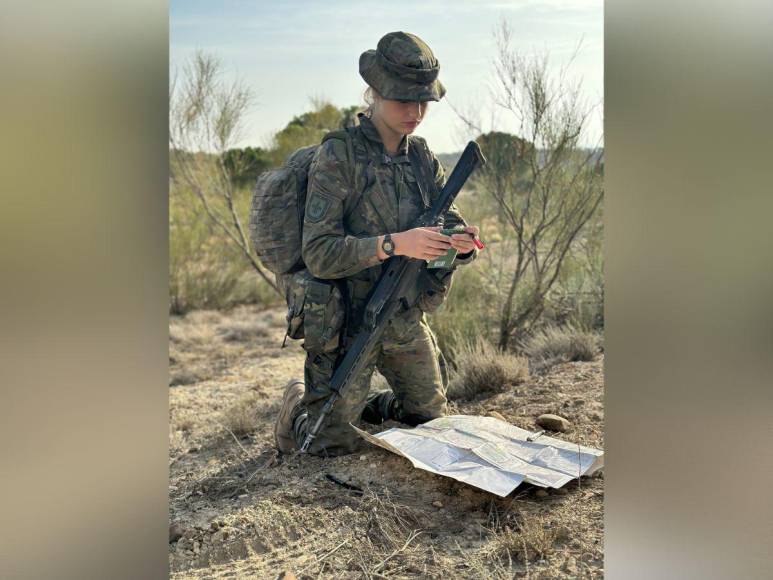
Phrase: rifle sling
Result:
[422,172]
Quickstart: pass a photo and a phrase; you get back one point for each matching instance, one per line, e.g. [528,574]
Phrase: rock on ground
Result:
[553,422]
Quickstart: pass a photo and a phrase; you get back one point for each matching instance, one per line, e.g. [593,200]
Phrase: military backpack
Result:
[278,206]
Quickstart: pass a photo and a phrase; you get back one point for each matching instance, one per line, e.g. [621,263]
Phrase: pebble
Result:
[175,532]
[553,422]
[363,457]
[437,503]
[286,576]
[541,493]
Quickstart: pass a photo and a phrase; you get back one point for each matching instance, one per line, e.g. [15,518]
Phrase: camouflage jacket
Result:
[341,227]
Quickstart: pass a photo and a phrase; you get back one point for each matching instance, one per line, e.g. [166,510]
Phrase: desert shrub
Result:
[552,345]
[482,369]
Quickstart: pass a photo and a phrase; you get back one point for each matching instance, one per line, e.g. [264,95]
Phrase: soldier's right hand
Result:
[421,243]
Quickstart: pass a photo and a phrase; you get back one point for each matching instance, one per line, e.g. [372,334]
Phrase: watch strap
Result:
[388,245]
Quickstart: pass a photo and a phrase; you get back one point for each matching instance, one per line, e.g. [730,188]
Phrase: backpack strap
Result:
[346,135]
[421,162]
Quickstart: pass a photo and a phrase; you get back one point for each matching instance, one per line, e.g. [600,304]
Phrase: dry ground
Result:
[245,512]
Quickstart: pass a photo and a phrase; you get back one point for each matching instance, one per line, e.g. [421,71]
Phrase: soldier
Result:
[358,213]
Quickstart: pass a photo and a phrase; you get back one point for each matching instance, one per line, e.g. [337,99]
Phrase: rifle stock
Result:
[396,287]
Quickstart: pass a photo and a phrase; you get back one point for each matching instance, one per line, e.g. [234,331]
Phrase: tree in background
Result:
[545,187]
[206,118]
[310,127]
[245,165]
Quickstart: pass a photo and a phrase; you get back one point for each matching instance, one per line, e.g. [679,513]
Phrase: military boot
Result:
[385,406]
[283,429]
[380,408]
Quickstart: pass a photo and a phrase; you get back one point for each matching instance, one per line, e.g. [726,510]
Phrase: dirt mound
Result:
[247,512]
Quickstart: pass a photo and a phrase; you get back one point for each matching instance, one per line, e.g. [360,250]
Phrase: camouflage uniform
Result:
[350,203]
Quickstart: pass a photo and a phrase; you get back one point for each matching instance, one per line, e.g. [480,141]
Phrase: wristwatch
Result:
[388,245]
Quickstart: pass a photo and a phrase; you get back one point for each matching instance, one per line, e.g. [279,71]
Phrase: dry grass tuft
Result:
[184,377]
[553,345]
[184,336]
[391,546]
[243,330]
[389,522]
[241,417]
[203,317]
[176,331]
[484,370]
[481,566]
[534,539]
[183,423]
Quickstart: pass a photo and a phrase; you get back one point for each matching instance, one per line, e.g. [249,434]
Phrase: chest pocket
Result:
[363,218]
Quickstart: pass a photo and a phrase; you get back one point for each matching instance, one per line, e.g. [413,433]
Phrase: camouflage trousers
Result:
[409,359]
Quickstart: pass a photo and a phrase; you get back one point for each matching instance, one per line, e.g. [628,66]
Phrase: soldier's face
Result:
[402,116]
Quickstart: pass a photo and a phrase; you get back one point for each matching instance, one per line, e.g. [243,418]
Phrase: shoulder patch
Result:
[317,207]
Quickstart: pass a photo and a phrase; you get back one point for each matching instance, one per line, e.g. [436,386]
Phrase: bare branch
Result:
[207,118]
[547,196]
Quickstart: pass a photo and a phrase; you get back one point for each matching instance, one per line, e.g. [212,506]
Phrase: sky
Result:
[290,52]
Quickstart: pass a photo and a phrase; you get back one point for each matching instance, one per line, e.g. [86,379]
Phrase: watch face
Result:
[388,247]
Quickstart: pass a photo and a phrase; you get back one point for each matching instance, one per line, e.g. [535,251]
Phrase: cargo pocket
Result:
[319,372]
[323,316]
[294,287]
[436,285]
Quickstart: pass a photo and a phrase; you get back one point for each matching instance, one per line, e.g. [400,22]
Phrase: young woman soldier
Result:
[363,196]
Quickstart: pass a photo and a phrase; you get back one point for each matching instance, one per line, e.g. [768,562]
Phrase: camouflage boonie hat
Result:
[402,68]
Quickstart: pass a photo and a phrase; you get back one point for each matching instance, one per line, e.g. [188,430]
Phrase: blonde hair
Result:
[369,96]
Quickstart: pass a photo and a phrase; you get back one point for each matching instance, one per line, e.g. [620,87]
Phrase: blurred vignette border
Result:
[85,312]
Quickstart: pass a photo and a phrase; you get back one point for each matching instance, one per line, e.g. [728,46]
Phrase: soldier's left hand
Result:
[463,242]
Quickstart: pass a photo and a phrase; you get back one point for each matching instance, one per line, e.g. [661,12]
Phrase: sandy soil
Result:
[242,511]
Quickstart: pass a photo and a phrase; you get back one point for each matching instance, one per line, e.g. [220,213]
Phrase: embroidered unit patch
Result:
[317,207]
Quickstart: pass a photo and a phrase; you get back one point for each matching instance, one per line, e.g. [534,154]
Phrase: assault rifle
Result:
[397,287]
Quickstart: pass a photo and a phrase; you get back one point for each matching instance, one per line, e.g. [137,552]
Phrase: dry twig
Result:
[415,534]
